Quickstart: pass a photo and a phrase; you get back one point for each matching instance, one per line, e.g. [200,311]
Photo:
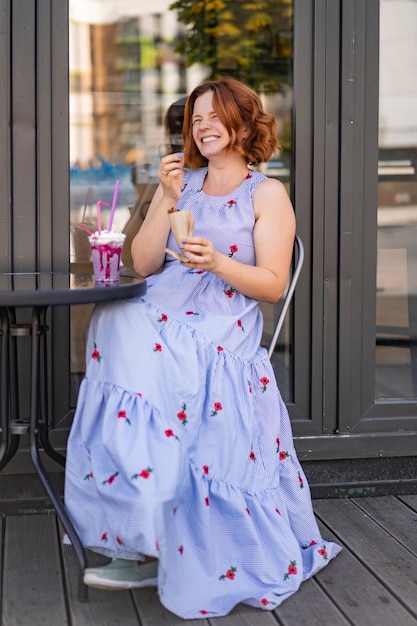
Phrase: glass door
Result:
[378,234]
[396,296]
[129,62]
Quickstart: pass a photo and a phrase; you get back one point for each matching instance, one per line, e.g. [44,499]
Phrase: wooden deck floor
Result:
[373,581]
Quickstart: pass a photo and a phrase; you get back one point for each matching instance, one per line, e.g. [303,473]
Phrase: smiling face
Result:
[209,133]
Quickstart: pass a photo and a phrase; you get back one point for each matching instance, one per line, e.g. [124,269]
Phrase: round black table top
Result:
[55,288]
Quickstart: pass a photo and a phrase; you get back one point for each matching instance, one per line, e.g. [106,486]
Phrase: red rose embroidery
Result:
[206,469]
[266,602]
[180,550]
[252,456]
[233,249]
[119,541]
[277,443]
[170,433]
[163,317]
[264,382]
[229,575]
[96,354]
[157,347]
[217,407]
[239,325]
[300,481]
[123,415]
[145,473]
[292,570]
[104,537]
[182,415]
[229,292]
[207,501]
[219,349]
[283,455]
[231,203]
[110,479]
[323,553]
[88,476]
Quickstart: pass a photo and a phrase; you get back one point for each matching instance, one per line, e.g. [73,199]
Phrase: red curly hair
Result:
[237,107]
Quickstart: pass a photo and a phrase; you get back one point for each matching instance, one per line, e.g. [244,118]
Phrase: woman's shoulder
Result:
[193,179]
[254,179]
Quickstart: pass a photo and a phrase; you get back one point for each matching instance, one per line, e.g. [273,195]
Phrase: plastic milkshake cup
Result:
[106,251]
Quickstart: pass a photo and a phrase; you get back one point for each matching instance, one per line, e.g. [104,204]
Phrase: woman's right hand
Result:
[171,175]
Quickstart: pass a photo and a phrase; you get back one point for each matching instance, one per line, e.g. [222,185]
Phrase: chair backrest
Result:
[288,295]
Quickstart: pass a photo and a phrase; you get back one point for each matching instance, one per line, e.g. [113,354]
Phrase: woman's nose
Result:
[204,123]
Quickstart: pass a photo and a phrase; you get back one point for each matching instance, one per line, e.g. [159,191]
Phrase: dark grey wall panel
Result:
[24,147]
[5,199]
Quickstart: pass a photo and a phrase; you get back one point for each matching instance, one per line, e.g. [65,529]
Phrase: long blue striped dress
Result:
[181,446]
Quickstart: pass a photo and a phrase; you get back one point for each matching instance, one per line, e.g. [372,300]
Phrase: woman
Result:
[181,448]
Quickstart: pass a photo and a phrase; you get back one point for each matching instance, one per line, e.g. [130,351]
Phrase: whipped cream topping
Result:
[107,236]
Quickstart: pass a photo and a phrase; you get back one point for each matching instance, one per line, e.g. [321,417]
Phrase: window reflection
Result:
[129,61]
[396,321]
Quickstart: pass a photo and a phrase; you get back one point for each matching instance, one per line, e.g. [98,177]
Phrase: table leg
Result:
[34,435]
[43,399]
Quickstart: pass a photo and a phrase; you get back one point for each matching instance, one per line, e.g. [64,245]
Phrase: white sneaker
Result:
[122,574]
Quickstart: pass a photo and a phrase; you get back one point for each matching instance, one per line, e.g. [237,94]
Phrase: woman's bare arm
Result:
[274,234]
[148,246]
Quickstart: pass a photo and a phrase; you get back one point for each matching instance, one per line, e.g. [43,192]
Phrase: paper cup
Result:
[182,226]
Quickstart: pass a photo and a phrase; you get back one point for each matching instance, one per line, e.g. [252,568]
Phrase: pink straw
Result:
[99,203]
[113,206]
[90,232]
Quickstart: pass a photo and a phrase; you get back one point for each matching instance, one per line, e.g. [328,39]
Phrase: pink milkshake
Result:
[106,251]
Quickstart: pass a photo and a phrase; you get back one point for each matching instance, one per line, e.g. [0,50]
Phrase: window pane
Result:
[129,61]
[396,321]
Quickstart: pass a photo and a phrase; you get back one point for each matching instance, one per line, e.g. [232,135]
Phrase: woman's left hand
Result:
[200,253]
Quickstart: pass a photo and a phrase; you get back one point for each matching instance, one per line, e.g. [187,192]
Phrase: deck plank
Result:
[410,501]
[33,593]
[103,608]
[312,606]
[363,599]
[390,563]
[395,518]
[372,581]
[153,613]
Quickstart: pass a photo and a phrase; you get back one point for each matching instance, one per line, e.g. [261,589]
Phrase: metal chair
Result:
[288,295]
